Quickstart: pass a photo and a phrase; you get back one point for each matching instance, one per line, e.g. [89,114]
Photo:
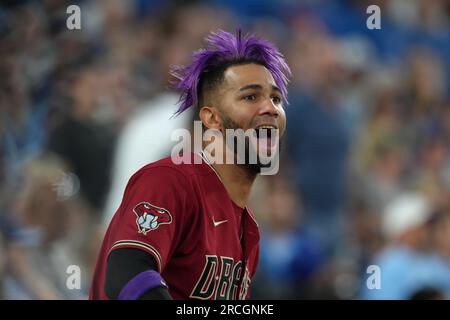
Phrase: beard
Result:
[253,168]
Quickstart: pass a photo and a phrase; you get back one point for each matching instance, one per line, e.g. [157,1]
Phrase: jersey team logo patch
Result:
[150,217]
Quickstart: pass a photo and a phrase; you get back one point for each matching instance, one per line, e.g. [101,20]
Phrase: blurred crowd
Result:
[365,175]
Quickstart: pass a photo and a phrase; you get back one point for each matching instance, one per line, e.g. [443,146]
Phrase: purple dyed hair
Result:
[225,48]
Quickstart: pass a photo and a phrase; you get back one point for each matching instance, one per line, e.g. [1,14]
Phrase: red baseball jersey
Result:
[206,246]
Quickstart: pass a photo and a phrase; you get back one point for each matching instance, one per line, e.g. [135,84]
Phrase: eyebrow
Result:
[258,87]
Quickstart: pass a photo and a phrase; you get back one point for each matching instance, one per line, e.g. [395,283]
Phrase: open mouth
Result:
[265,131]
[266,139]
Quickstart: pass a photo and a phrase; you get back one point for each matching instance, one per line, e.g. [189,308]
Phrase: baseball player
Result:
[184,231]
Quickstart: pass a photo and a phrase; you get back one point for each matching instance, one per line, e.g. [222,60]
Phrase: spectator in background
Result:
[407,264]
[22,120]
[83,139]
[428,294]
[291,256]
[439,246]
[440,233]
[381,151]
[433,163]
[48,233]
[317,140]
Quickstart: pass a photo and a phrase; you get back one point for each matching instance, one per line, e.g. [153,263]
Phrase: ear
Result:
[210,117]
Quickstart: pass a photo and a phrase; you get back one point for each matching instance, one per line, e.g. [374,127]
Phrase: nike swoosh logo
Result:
[218,223]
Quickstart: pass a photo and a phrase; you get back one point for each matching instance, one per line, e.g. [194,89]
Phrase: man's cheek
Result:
[282,121]
[282,127]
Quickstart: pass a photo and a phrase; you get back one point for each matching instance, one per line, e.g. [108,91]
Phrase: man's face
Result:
[249,99]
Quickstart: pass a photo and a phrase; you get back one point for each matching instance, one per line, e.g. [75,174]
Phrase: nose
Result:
[269,108]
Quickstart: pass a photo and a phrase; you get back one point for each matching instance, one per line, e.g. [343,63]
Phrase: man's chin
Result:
[259,167]
[258,162]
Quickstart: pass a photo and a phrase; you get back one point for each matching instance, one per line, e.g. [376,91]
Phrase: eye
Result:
[276,99]
[250,97]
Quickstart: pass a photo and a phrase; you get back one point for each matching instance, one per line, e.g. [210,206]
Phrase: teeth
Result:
[266,127]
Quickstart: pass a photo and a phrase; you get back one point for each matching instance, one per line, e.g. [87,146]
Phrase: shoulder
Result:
[168,172]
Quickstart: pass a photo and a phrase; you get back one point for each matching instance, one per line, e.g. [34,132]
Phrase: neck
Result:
[237,180]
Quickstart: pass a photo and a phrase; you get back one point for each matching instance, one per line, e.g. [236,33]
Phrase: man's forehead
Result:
[239,76]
